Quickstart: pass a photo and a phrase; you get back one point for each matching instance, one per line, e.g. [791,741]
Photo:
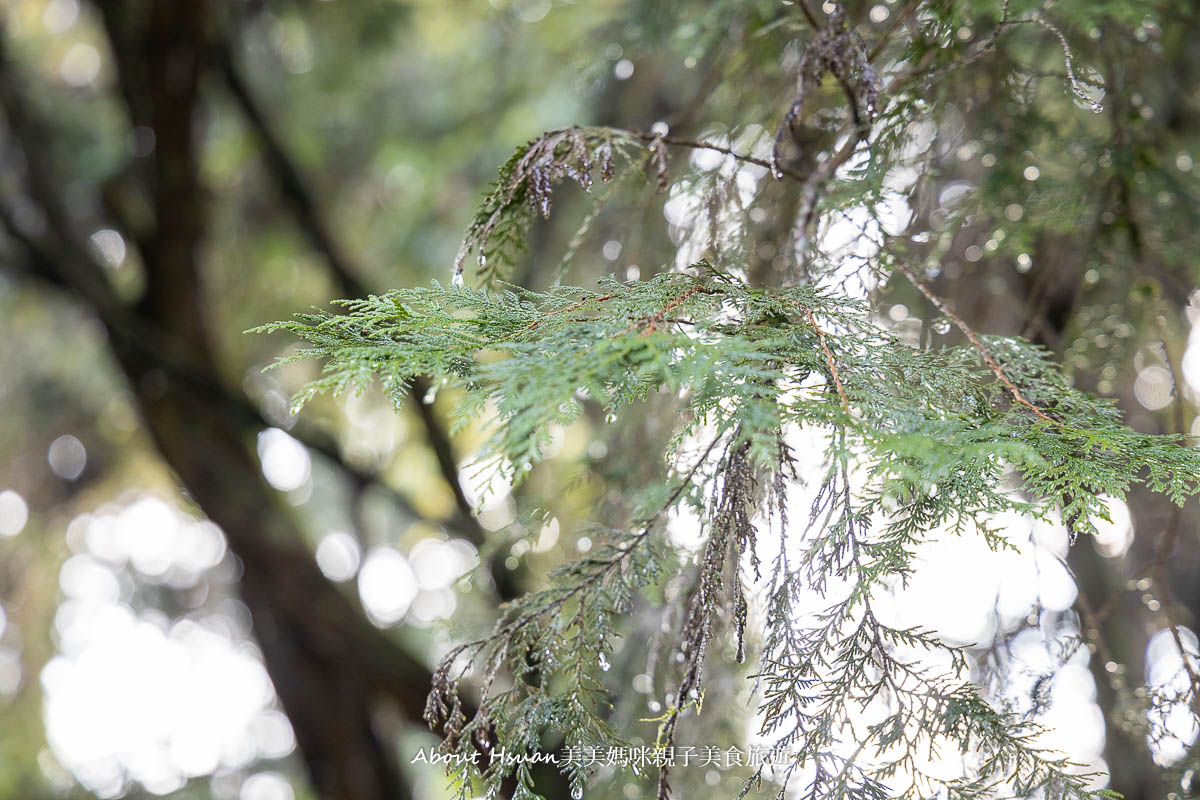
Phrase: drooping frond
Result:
[918,440]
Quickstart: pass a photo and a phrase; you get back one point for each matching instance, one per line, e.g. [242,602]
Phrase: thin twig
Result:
[691,144]
[652,322]
[510,629]
[974,339]
[833,370]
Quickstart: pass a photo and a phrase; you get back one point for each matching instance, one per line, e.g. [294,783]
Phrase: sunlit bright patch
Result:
[109,246]
[131,698]
[60,15]
[285,462]
[80,65]
[439,563]
[387,585]
[1153,387]
[1115,535]
[339,555]
[158,541]
[14,513]
[684,528]
[486,485]
[1173,726]
[429,606]
[1191,356]
[266,786]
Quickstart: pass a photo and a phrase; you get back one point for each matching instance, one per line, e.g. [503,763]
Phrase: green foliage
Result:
[917,438]
[742,360]
[524,187]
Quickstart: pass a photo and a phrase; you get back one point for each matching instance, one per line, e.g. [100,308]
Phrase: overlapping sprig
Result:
[934,435]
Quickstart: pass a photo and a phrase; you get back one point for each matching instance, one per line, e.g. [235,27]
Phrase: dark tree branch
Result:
[297,195]
[329,665]
[310,218]
[312,221]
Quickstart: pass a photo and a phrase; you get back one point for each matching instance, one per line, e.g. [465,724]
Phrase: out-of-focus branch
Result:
[328,663]
[311,220]
[984,352]
[692,144]
[57,271]
[313,223]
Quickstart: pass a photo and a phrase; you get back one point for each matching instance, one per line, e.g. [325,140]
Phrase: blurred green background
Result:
[182,559]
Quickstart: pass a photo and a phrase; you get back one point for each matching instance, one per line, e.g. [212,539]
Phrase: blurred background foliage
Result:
[175,173]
